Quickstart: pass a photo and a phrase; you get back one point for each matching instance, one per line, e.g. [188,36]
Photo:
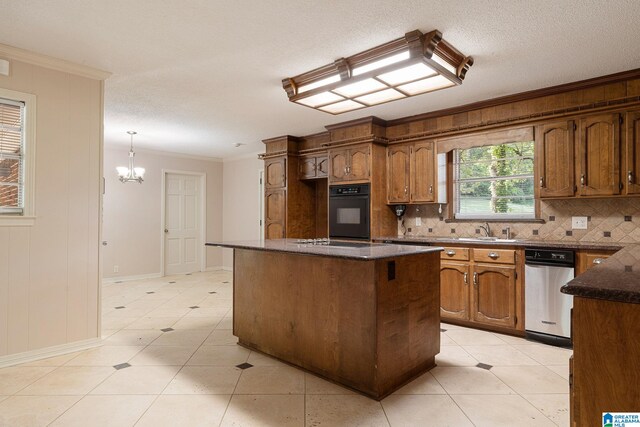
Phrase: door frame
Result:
[203,214]
[261,202]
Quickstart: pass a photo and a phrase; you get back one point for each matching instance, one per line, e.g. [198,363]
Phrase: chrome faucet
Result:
[486,228]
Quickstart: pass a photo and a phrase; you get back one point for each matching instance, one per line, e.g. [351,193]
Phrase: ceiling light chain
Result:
[414,64]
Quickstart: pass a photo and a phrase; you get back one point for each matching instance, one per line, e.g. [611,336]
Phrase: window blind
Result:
[11,157]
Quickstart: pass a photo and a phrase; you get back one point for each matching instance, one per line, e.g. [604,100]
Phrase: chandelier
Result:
[412,65]
[131,173]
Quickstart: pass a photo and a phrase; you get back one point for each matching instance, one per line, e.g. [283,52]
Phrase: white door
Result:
[182,244]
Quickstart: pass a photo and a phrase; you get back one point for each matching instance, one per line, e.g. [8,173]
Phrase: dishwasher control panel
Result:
[549,256]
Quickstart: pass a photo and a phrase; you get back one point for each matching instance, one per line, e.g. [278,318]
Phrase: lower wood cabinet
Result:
[586,259]
[486,290]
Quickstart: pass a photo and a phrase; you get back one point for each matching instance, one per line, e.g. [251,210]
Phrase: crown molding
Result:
[22,55]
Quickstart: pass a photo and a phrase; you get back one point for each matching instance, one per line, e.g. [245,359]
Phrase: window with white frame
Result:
[494,182]
[17,149]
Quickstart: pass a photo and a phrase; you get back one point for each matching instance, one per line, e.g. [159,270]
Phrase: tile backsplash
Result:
[608,220]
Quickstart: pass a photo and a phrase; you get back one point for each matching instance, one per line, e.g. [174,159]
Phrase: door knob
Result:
[166,230]
[104,243]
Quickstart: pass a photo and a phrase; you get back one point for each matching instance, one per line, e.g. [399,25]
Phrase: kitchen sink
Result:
[479,239]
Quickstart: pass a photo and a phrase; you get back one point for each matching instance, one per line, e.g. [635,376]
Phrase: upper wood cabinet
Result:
[411,173]
[398,174]
[598,156]
[350,164]
[554,148]
[423,172]
[275,173]
[313,166]
[494,295]
[632,172]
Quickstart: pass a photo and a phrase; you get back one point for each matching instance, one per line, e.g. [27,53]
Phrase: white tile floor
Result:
[187,376]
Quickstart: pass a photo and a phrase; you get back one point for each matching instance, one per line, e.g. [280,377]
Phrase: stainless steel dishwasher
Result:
[547,310]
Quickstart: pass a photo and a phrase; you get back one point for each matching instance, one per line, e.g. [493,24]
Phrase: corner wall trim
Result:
[43,353]
[107,280]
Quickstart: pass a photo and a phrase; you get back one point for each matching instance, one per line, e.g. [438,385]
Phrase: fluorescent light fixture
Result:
[341,107]
[426,85]
[319,83]
[380,97]
[403,56]
[397,69]
[320,99]
[360,88]
[407,74]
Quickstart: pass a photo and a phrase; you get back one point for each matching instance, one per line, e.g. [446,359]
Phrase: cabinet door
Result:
[554,159]
[358,167]
[633,153]
[493,295]
[275,173]
[454,290]
[275,203]
[307,168]
[322,166]
[338,165]
[423,172]
[599,155]
[398,174]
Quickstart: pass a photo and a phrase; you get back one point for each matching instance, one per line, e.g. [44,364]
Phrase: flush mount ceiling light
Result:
[131,173]
[412,65]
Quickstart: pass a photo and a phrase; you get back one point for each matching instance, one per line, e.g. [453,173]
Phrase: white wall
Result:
[241,202]
[49,272]
[132,212]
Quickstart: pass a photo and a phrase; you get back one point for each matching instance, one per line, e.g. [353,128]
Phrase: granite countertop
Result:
[616,279]
[517,242]
[338,249]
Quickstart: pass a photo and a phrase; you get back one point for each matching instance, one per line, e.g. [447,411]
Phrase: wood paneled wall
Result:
[49,272]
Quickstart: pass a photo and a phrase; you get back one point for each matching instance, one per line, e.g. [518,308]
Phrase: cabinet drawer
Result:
[501,256]
[460,254]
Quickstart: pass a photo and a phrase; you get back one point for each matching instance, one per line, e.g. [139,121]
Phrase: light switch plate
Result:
[418,221]
[579,222]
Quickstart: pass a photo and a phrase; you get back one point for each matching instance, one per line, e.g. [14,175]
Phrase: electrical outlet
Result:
[579,222]
[418,221]
[116,268]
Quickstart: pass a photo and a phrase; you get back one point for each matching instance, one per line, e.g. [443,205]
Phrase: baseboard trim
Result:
[129,278]
[43,353]
[214,268]
[227,268]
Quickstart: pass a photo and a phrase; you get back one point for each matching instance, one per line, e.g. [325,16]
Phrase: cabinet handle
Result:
[431,189]
[348,170]
[542,182]
[582,180]
[406,189]
[466,278]
[475,278]
[345,170]
[598,261]
[450,252]
[630,177]
[494,255]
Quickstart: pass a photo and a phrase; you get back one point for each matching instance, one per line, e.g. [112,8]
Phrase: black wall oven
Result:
[349,211]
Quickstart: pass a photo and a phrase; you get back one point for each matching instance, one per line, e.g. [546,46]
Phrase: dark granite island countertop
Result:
[617,279]
[334,248]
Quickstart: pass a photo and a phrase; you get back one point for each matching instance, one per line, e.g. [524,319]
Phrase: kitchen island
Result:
[364,315]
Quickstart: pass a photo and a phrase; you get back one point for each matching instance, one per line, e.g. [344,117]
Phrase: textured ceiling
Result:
[196,77]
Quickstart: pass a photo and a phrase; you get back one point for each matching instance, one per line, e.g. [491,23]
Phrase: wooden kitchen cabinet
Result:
[275,173]
[350,164]
[398,174]
[554,158]
[493,295]
[454,290]
[275,214]
[411,173]
[632,171]
[587,259]
[598,156]
[423,172]
[312,167]
[482,287]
